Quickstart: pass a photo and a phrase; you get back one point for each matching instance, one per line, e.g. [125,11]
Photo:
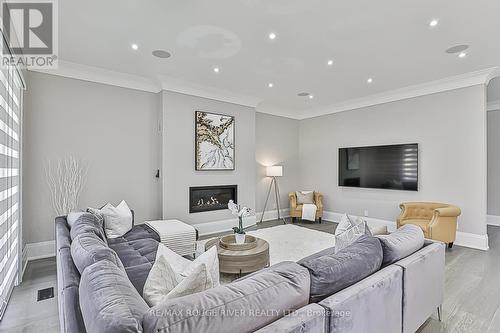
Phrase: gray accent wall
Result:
[494,163]
[179,156]
[450,128]
[114,130]
[276,143]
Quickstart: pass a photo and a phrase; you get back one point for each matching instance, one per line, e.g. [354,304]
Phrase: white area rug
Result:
[291,243]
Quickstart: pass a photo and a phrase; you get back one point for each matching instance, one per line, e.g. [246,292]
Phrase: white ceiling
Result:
[388,40]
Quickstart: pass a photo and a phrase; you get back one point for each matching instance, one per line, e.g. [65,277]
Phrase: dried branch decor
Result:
[65,178]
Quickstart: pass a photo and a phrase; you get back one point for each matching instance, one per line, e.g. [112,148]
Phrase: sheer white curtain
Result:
[11,89]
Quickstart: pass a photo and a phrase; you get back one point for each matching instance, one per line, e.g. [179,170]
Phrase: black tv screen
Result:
[392,167]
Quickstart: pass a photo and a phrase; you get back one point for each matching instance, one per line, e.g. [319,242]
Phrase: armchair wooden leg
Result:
[319,219]
[450,245]
[440,313]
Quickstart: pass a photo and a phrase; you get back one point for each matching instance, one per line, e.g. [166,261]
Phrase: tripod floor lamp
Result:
[274,172]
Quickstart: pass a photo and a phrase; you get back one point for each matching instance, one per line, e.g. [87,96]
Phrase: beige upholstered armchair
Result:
[296,210]
[438,221]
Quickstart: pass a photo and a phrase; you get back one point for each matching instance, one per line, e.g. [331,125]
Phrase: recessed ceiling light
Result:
[303,94]
[311,96]
[270,85]
[433,23]
[370,80]
[161,54]
[330,62]
[135,47]
[216,69]
[462,55]
[272,36]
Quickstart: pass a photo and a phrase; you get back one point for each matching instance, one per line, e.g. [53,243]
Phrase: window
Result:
[11,89]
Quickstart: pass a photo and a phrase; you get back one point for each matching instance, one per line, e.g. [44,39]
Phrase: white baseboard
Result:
[474,241]
[493,220]
[222,226]
[273,214]
[465,239]
[40,250]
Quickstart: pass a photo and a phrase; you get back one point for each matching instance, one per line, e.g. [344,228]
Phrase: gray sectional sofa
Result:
[100,285]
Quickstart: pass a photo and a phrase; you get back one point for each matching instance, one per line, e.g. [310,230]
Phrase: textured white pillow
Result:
[174,276]
[210,258]
[117,220]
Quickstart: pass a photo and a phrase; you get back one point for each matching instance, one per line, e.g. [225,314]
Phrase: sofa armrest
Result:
[293,200]
[358,307]
[318,200]
[450,211]
[423,284]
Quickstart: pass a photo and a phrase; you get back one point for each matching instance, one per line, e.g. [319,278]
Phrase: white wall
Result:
[450,128]
[494,163]
[112,129]
[277,143]
[179,153]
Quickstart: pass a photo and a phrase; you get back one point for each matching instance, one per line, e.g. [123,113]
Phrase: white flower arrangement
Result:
[241,212]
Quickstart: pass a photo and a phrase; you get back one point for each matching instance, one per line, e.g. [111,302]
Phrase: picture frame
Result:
[214,141]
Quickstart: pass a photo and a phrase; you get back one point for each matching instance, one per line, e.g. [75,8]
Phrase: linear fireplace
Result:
[208,198]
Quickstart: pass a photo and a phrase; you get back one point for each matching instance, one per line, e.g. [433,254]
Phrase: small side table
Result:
[241,261]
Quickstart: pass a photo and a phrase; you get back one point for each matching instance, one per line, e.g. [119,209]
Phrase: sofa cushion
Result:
[109,302]
[73,216]
[137,254]
[87,223]
[401,243]
[242,306]
[423,224]
[331,272]
[87,249]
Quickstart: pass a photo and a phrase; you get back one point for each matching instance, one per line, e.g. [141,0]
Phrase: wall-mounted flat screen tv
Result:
[392,167]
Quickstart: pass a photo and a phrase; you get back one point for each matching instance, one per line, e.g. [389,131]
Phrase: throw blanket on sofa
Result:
[176,235]
[309,212]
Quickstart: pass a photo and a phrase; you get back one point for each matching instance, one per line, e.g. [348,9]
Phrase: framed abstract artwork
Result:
[214,142]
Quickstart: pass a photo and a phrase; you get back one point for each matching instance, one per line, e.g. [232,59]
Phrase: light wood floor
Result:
[472,291]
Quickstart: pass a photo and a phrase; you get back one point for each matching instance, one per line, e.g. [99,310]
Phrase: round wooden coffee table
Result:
[241,261]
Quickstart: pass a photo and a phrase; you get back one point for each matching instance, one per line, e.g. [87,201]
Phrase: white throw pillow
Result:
[174,276]
[117,220]
[210,258]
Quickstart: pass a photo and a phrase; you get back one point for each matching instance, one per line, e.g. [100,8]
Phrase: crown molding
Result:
[136,82]
[162,82]
[101,75]
[190,88]
[481,77]
[494,105]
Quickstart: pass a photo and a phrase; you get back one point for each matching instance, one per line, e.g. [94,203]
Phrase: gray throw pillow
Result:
[88,248]
[305,197]
[72,217]
[355,229]
[331,272]
[401,243]
[86,223]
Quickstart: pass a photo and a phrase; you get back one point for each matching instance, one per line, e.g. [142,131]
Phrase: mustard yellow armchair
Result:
[438,221]
[296,210]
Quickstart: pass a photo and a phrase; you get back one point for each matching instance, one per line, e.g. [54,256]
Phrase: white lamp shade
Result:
[274,171]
